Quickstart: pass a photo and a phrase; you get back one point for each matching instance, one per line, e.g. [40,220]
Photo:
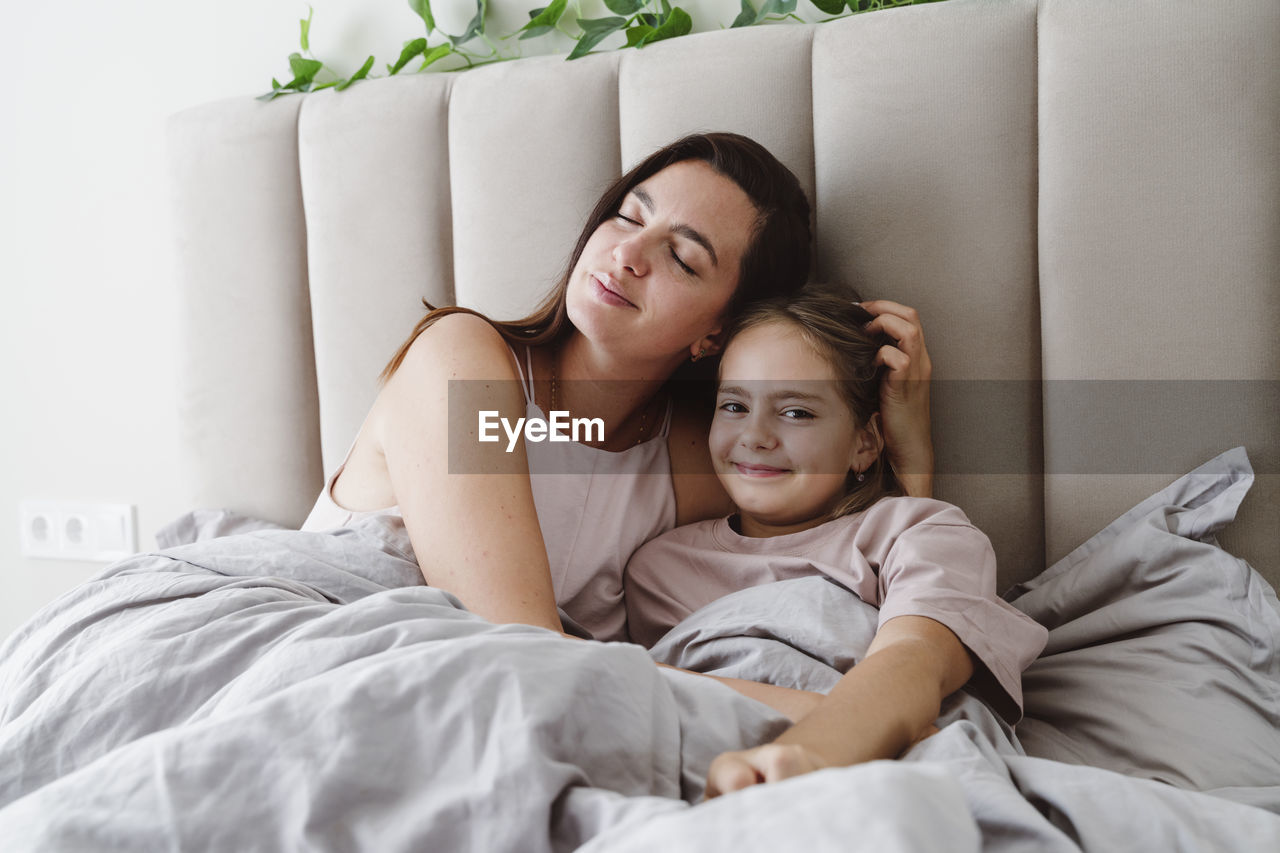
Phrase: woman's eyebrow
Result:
[683,230]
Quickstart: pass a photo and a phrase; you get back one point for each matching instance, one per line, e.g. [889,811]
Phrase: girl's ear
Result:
[868,445]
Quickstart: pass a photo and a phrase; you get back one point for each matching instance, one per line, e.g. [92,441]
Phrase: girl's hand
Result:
[904,394]
[773,762]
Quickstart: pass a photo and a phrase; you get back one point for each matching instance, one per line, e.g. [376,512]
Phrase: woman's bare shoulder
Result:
[459,346]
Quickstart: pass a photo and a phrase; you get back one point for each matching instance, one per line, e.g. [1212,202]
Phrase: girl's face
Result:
[655,279]
[783,440]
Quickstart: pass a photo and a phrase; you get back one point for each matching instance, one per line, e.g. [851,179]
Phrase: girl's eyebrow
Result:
[784,394]
[683,230]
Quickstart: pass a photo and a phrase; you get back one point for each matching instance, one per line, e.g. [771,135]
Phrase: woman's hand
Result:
[773,762]
[904,395]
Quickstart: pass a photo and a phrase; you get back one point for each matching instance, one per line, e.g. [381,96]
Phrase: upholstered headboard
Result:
[1081,197]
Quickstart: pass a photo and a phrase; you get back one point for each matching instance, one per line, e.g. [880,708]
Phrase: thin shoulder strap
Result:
[666,420]
[526,386]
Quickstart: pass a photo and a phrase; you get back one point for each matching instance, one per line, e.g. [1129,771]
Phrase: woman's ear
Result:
[868,445]
[708,344]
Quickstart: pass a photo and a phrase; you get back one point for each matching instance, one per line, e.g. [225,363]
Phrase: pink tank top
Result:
[595,508]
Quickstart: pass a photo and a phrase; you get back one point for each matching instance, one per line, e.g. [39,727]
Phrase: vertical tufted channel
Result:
[1159,255]
[375,183]
[925,154]
[532,145]
[249,440]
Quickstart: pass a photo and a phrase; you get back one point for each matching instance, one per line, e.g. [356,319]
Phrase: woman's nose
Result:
[631,254]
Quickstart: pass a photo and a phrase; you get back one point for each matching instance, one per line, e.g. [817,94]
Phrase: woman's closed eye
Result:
[688,269]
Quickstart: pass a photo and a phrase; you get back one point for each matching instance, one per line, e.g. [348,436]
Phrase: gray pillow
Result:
[1163,658]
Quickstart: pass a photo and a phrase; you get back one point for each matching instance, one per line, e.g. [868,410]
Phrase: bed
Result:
[1081,197]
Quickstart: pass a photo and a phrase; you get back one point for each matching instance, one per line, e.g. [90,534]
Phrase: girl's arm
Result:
[877,710]
[904,395]
[468,506]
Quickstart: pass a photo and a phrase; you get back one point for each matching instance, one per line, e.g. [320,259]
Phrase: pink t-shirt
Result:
[906,556]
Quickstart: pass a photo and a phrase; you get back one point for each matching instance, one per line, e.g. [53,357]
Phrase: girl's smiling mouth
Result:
[749,470]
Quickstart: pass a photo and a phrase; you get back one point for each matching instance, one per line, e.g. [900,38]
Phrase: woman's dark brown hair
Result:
[776,261]
[830,320]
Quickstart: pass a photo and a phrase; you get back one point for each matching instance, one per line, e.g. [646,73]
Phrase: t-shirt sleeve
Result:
[946,571]
[653,598]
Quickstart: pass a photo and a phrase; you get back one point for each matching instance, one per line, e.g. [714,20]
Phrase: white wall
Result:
[87,334]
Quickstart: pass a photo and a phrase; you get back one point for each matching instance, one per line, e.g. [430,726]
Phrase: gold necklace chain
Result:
[644,413]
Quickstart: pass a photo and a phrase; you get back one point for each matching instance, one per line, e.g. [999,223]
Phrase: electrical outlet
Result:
[64,530]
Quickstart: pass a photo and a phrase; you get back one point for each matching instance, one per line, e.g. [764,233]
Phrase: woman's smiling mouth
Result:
[607,291]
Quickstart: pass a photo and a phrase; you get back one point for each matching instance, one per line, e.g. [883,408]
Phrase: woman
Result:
[669,253]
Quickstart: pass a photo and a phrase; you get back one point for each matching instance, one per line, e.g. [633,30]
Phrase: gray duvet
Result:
[282,690]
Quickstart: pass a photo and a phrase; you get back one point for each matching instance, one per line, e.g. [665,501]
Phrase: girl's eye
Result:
[688,269]
[797,414]
[732,408]
[624,218]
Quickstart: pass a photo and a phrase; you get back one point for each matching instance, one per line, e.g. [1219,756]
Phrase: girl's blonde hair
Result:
[830,320]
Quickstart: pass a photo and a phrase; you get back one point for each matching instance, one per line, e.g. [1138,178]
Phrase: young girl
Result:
[796,441]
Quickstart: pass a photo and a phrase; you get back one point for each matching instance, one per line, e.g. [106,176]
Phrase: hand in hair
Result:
[904,395]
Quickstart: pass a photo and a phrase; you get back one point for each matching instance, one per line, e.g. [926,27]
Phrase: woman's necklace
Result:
[644,413]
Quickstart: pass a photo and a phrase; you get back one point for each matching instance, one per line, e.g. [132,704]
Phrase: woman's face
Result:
[783,439]
[655,279]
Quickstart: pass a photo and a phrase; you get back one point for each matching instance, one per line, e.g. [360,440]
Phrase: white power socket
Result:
[62,530]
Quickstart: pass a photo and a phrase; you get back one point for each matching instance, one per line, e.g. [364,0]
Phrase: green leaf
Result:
[306,29]
[438,52]
[831,7]
[776,7]
[422,8]
[595,31]
[545,19]
[304,69]
[637,35]
[328,85]
[411,49]
[650,20]
[626,8]
[678,23]
[747,16]
[476,27]
[359,75]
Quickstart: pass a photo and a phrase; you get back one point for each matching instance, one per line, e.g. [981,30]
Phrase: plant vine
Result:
[641,21]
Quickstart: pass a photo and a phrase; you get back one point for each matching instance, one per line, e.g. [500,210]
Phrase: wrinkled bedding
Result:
[277,689]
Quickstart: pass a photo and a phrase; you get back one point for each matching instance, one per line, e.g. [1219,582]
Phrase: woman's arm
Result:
[877,710]
[795,704]
[699,494]
[904,395]
[468,506]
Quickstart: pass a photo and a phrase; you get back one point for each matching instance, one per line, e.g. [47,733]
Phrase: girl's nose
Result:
[631,255]
[756,435]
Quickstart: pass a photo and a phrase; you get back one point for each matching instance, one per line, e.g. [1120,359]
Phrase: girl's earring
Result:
[700,354]
[861,477]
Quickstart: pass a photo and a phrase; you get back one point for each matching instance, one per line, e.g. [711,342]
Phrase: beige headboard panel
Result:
[1070,191]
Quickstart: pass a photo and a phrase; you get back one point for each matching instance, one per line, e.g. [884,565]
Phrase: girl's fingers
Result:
[881,307]
[909,336]
[893,358]
[730,772]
